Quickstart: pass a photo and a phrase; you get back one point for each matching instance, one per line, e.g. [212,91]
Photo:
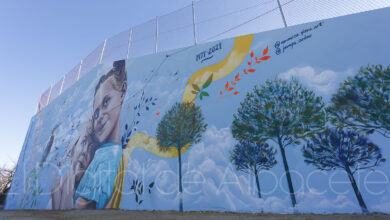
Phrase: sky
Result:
[42,40]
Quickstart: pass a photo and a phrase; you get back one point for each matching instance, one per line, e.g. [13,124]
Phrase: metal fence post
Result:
[48,98]
[62,84]
[101,55]
[193,22]
[39,104]
[156,49]
[129,43]
[281,12]
[78,73]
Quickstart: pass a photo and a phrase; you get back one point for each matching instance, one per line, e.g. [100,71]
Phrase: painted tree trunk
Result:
[257,182]
[357,191]
[180,184]
[288,176]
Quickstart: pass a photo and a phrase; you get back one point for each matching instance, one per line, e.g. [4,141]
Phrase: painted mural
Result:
[291,120]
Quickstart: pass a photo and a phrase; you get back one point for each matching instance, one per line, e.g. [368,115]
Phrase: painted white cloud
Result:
[325,82]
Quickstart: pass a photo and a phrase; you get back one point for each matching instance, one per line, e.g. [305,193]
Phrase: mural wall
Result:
[292,120]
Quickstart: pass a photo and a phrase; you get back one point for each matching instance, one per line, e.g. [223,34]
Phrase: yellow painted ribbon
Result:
[240,49]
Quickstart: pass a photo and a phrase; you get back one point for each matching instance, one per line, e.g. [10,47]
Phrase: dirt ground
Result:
[146,215]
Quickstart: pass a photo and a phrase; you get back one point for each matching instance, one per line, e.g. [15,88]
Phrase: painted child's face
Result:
[107,107]
[81,156]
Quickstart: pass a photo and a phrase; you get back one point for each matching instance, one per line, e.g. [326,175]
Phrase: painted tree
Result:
[363,101]
[345,150]
[251,158]
[281,111]
[183,124]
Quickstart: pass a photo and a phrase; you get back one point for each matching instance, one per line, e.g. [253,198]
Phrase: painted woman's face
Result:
[107,108]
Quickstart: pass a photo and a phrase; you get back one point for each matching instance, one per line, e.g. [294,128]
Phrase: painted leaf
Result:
[196,87]
[205,94]
[236,78]
[258,62]
[252,54]
[158,113]
[265,58]
[206,85]
[235,93]
[220,92]
[251,70]
[265,51]
[200,96]
[245,71]
[208,82]
[227,86]
[249,63]
[230,89]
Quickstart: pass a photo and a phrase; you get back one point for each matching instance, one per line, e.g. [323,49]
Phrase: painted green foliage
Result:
[183,124]
[345,150]
[199,92]
[282,111]
[251,158]
[363,101]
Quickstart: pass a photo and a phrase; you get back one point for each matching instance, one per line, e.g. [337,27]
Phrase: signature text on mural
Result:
[208,54]
[295,39]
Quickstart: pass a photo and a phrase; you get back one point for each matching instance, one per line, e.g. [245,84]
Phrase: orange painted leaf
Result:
[252,54]
[236,78]
[265,51]
[245,71]
[230,89]
[220,92]
[233,83]
[249,63]
[235,93]
[258,61]
[265,58]
[256,58]
[252,70]
[227,85]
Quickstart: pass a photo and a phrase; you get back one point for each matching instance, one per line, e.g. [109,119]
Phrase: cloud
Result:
[325,82]
[313,202]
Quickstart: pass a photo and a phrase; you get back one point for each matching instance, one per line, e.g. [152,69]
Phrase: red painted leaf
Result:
[245,71]
[220,92]
[252,54]
[235,93]
[233,83]
[158,113]
[265,51]
[256,58]
[230,89]
[252,70]
[258,61]
[227,85]
[236,78]
[265,58]
[249,63]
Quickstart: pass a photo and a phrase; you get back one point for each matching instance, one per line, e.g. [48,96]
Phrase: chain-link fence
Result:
[204,21]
